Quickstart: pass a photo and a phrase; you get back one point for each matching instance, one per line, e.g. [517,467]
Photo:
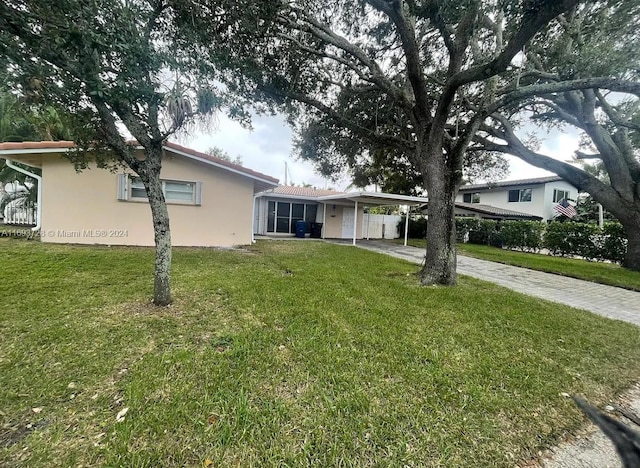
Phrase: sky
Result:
[269,145]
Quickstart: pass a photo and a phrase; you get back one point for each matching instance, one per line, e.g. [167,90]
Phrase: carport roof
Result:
[327,196]
[375,198]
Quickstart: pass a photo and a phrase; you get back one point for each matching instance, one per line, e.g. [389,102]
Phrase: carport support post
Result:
[406,226]
[369,224]
[355,221]
[324,219]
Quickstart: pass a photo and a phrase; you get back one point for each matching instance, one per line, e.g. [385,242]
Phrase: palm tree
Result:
[20,121]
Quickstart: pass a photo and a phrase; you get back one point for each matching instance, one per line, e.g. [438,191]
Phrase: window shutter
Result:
[514,195]
[198,194]
[122,187]
[466,198]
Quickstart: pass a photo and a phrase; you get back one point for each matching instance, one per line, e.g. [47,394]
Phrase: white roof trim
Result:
[34,151]
[380,195]
[351,196]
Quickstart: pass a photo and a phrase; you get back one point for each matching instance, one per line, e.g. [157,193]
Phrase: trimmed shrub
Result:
[560,238]
[614,242]
[522,235]
[573,239]
[417,227]
[464,226]
[485,233]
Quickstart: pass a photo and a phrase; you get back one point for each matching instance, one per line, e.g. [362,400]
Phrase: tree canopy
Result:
[114,67]
[583,73]
[373,82]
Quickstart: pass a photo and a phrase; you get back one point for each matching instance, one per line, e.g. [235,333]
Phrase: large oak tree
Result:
[417,62]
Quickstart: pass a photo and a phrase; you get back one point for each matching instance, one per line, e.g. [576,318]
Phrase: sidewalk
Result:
[609,301]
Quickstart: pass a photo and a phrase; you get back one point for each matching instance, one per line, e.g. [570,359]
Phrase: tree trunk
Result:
[161,230]
[440,260]
[632,258]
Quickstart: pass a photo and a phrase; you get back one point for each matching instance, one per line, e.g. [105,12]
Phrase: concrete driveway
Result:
[609,301]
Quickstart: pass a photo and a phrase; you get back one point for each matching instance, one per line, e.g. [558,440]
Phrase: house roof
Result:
[303,191]
[510,183]
[24,149]
[495,211]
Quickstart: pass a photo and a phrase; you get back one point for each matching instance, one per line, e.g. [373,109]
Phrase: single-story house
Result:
[515,199]
[210,200]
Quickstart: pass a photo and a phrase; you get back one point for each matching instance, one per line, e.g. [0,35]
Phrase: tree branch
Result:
[411,49]
[613,84]
[330,112]
[324,33]
[532,21]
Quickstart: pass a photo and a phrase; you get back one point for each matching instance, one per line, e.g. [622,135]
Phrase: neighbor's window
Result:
[559,195]
[471,198]
[520,195]
[174,191]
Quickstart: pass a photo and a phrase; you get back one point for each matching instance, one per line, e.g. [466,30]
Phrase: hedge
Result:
[566,239]
[560,238]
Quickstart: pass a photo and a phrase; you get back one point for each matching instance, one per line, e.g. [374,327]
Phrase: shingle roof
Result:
[509,183]
[35,146]
[303,191]
[495,211]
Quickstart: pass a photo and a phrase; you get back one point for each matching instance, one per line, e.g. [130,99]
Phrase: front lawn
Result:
[597,272]
[285,354]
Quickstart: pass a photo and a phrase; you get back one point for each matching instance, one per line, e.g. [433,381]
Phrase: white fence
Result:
[19,215]
[375,226]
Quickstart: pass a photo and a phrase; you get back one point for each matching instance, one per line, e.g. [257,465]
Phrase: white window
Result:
[520,195]
[558,195]
[175,191]
[471,198]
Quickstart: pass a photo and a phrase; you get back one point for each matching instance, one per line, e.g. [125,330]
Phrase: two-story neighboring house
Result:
[533,197]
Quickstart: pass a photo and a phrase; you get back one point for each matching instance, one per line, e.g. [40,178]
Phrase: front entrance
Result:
[348,220]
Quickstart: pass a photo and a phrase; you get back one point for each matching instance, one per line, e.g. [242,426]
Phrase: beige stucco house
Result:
[210,200]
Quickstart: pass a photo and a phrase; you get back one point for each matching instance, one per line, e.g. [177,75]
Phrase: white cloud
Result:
[265,149]
[559,144]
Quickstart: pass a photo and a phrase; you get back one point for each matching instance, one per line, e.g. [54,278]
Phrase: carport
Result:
[364,199]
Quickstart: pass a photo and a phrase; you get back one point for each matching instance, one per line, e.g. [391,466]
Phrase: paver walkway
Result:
[612,302]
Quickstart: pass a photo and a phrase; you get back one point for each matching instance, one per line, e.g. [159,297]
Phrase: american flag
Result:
[564,208]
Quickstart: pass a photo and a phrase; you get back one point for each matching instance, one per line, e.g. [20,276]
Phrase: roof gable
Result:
[38,147]
[307,192]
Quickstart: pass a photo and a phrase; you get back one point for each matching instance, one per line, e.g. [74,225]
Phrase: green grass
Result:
[597,272]
[286,354]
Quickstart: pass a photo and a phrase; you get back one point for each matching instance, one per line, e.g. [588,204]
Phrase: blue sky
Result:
[268,146]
